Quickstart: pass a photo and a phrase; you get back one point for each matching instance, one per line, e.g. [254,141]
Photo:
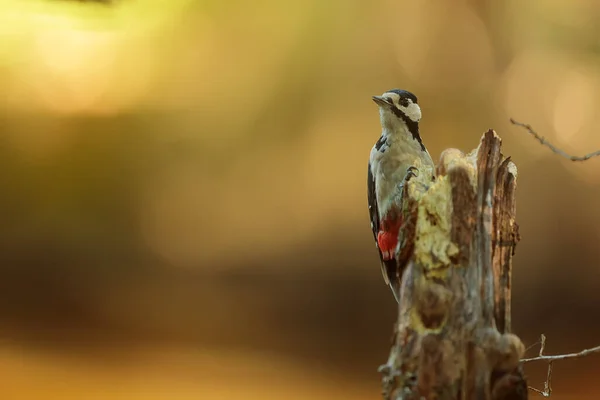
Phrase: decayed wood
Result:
[506,236]
[452,339]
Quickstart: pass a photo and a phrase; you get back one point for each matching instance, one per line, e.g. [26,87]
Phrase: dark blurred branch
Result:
[452,339]
[554,149]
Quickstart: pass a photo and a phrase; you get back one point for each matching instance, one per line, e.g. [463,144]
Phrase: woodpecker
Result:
[393,160]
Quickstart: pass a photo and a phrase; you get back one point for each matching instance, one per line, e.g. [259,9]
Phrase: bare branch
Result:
[532,346]
[542,344]
[554,149]
[550,359]
[547,385]
[582,353]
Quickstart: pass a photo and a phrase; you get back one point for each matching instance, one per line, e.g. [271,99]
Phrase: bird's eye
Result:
[389,100]
[404,102]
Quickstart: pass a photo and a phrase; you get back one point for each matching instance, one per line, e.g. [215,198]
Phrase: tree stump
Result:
[452,339]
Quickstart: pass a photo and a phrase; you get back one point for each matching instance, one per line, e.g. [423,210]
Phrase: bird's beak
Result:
[381,101]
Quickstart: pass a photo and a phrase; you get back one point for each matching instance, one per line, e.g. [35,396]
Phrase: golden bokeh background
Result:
[183,184]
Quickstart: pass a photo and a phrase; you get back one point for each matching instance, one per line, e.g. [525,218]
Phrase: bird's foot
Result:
[411,172]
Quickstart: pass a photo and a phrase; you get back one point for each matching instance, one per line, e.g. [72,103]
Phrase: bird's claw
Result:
[411,172]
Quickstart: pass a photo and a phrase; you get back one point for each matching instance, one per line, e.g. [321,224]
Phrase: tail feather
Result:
[395,286]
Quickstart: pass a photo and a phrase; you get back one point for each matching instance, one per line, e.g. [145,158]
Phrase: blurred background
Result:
[183,187]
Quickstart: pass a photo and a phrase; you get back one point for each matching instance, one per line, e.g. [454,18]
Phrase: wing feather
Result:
[374,216]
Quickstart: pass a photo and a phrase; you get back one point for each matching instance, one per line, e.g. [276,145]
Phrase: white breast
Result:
[389,170]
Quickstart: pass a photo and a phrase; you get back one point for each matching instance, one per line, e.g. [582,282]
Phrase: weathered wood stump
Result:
[452,339]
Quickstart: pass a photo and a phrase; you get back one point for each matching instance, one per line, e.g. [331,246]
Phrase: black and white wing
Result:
[388,267]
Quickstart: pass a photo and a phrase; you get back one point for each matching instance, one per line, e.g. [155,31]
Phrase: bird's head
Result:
[398,107]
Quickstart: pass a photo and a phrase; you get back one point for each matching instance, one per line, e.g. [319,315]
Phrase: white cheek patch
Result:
[412,111]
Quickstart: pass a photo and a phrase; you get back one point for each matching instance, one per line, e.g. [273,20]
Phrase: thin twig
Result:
[550,359]
[554,149]
[547,385]
[532,346]
[582,353]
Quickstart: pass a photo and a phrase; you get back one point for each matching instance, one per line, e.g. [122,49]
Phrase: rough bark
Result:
[452,339]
